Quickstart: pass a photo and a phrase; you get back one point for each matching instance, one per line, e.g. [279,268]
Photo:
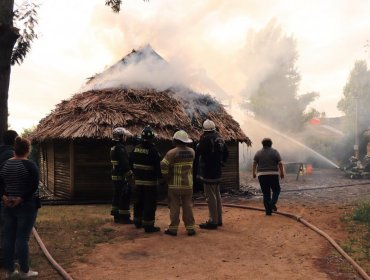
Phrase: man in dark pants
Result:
[212,153]
[267,166]
[121,177]
[145,163]
[6,152]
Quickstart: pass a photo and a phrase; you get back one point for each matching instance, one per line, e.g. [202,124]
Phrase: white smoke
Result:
[263,54]
[143,69]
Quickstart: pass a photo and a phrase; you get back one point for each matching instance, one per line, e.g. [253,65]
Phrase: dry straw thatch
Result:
[93,114]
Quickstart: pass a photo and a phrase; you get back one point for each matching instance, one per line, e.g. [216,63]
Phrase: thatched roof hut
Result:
[94,114]
[75,137]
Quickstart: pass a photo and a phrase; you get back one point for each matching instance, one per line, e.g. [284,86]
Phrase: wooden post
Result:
[300,169]
[72,168]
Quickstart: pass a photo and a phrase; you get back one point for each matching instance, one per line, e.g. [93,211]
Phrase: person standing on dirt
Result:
[122,176]
[19,181]
[267,165]
[213,153]
[145,161]
[6,152]
[177,168]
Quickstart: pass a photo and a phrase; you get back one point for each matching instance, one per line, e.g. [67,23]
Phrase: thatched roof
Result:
[94,114]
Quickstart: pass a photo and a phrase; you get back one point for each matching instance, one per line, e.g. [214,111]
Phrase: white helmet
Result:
[209,125]
[182,136]
[119,132]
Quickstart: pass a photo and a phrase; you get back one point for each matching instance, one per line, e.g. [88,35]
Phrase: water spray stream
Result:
[297,143]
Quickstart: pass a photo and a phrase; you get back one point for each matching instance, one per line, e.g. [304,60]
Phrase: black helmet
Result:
[147,133]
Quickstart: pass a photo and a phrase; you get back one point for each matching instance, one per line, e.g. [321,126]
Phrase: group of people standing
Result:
[135,175]
[139,173]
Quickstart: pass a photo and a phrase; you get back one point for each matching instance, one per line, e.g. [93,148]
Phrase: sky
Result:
[206,39]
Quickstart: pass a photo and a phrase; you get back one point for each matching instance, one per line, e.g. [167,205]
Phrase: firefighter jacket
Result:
[120,163]
[213,153]
[145,163]
[177,167]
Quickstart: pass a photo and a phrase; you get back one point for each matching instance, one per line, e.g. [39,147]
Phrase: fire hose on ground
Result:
[358,268]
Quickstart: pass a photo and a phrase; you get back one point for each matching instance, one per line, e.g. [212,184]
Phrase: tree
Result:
[272,56]
[355,102]
[15,43]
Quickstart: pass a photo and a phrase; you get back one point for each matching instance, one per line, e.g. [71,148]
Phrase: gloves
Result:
[130,178]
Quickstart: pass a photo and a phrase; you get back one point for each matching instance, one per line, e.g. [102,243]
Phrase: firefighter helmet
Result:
[209,125]
[182,136]
[147,133]
[120,132]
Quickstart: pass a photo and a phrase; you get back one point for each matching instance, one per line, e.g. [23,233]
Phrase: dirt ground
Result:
[250,245]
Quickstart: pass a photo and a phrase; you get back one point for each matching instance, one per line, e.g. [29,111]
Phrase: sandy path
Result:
[250,245]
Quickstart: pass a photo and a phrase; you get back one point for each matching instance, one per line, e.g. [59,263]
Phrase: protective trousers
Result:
[121,200]
[176,199]
[145,205]
[213,197]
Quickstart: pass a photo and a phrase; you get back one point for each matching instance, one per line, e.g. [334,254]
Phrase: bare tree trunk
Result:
[8,36]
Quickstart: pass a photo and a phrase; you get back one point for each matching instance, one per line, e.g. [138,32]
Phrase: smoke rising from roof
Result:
[143,68]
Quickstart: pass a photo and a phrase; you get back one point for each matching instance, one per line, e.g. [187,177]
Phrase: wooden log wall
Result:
[46,161]
[230,172]
[62,187]
[81,169]
[92,167]
[50,166]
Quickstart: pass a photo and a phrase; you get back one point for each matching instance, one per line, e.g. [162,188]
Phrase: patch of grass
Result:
[357,245]
[71,232]
[362,213]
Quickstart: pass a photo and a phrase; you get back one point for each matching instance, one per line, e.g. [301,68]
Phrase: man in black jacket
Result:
[7,150]
[121,177]
[213,154]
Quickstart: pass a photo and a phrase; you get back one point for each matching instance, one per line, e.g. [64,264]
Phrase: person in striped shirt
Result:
[177,170]
[19,180]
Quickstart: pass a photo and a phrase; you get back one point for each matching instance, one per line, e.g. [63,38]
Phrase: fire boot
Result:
[151,229]
[123,219]
[138,223]
[208,225]
[114,213]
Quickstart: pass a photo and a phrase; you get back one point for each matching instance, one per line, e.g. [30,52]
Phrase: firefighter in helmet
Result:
[177,169]
[122,175]
[145,163]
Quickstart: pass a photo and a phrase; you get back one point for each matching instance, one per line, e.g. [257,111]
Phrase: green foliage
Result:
[362,213]
[275,100]
[115,4]
[356,93]
[26,16]
[358,226]
[27,131]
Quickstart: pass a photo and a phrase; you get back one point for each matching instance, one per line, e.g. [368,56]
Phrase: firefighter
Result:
[177,169]
[122,176]
[145,163]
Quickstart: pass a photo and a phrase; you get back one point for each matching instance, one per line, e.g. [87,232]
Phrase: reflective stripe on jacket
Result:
[177,167]
[145,163]
[120,162]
